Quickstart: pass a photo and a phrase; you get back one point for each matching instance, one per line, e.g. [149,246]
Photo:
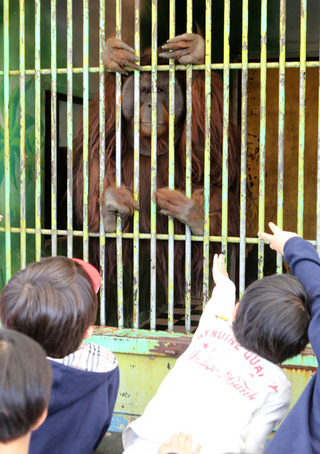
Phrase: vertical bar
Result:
[7,136]
[318,168]
[226,85]
[102,145]
[22,79]
[263,101]
[302,114]
[244,115]
[153,245]
[188,177]
[53,127]
[136,185]
[206,225]
[69,131]
[38,127]
[85,128]
[172,27]
[118,172]
[282,73]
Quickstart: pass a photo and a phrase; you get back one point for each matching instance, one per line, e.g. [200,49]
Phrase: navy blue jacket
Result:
[300,431]
[80,411]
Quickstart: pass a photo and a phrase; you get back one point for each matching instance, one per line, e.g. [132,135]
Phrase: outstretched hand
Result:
[278,239]
[179,444]
[218,269]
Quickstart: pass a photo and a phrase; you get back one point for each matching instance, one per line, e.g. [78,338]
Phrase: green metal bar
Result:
[85,128]
[244,115]
[188,177]
[22,79]
[302,114]
[69,130]
[153,242]
[226,86]
[206,226]
[172,28]
[282,74]
[102,145]
[38,128]
[6,63]
[118,173]
[262,154]
[136,188]
[54,127]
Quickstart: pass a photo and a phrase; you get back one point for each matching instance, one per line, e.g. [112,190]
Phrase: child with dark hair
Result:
[25,384]
[300,431]
[227,390]
[54,302]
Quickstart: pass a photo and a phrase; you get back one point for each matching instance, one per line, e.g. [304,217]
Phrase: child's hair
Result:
[273,318]
[25,384]
[53,302]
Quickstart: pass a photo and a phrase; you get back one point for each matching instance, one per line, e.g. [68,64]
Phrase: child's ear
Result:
[235,311]
[40,420]
[88,332]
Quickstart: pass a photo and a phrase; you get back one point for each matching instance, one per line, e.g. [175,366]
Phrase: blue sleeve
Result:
[304,263]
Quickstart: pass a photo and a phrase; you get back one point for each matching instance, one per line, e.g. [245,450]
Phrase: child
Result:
[229,393]
[54,302]
[25,384]
[300,431]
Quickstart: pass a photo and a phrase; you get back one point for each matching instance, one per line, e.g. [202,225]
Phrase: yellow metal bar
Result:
[226,85]
[118,173]
[153,242]
[188,177]
[136,188]
[302,114]
[206,226]
[244,114]
[282,74]
[102,145]
[262,154]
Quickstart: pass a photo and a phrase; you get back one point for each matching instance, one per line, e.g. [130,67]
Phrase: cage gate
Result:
[269,66]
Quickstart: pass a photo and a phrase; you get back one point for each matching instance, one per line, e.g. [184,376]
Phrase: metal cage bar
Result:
[136,188]
[281,123]
[85,50]
[22,81]
[302,114]
[37,63]
[206,223]
[102,148]
[226,83]
[318,169]
[69,130]
[262,154]
[6,136]
[118,173]
[172,27]
[54,127]
[244,113]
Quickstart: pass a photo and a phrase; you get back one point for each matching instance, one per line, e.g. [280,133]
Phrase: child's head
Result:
[53,302]
[273,318]
[25,384]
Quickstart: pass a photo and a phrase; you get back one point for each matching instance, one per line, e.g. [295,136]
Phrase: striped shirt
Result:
[90,357]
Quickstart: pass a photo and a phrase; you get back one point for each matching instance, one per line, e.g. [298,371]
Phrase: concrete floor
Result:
[111,444]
